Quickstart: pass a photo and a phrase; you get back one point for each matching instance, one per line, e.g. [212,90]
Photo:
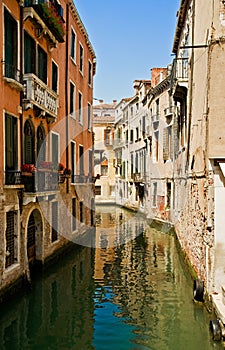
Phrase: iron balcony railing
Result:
[11,72]
[39,94]
[40,181]
[13,177]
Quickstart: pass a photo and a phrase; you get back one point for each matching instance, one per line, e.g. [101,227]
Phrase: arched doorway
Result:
[34,237]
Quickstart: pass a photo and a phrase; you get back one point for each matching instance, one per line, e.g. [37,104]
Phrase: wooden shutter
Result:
[165,144]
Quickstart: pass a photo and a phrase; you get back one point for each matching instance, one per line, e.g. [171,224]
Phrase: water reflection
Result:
[58,312]
[133,293]
[143,293]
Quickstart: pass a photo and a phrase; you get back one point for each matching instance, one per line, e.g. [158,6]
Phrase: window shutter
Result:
[175,135]
[165,144]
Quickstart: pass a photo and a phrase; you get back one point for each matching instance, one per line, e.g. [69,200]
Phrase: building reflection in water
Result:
[58,312]
[144,284]
[130,292]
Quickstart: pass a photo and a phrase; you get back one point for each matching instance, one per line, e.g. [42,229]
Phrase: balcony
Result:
[179,70]
[169,113]
[41,181]
[118,143]
[40,95]
[48,17]
[155,120]
[13,177]
[12,76]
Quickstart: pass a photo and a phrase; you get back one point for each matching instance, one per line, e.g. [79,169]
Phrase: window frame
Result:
[73,45]
[80,107]
[55,82]
[81,58]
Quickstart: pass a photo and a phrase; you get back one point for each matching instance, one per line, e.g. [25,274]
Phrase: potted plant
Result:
[28,169]
[61,167]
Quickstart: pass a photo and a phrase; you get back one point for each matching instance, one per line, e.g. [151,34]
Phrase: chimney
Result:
[114,103]
[101,101]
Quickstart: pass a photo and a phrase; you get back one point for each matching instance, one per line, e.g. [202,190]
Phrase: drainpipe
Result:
[191,89]
[21,77]
[66,94]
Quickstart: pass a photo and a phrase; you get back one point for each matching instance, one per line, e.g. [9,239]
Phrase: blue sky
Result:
[129,38]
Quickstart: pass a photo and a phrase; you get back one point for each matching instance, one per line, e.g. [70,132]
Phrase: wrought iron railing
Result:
[11,72]
[12,177]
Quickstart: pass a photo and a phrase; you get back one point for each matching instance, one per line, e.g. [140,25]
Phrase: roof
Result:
[105,119]
[81,27]
[180,23]
[104,106]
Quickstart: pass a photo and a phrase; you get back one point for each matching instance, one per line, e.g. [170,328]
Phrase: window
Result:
[168,191]
[74,214]
[89,116]
[81,212]
[80,109]
[137,134]
[154,199]
[11,46]
[73,160]
[42,65]
[90,162]
[143,126]
[136,163]
[55,150]
[167,143]
[29,54]
[98,190]
[41,144]
[11,236]
[131,135]
[72,100]
[104,170]
[81,159]
[29,139]
[156,146]
[73,45]
[107,137]
[54,77]
[54,221]
[132,166]
[81,58]
[157,107]
[11,143]
[89,73]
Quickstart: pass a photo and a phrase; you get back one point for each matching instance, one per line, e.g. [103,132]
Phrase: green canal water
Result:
[132,292]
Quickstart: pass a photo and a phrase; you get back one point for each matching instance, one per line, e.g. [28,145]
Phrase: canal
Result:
[131,292]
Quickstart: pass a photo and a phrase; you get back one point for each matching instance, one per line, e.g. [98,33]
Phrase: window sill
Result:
[11,268]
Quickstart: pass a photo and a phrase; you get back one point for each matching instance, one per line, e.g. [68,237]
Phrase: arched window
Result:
[41,144]
[29,155]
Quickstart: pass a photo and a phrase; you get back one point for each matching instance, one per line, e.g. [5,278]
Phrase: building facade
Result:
[46,87]
[103,126]
[181,179]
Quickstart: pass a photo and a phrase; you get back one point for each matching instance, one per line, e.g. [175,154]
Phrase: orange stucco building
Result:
[46,144]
